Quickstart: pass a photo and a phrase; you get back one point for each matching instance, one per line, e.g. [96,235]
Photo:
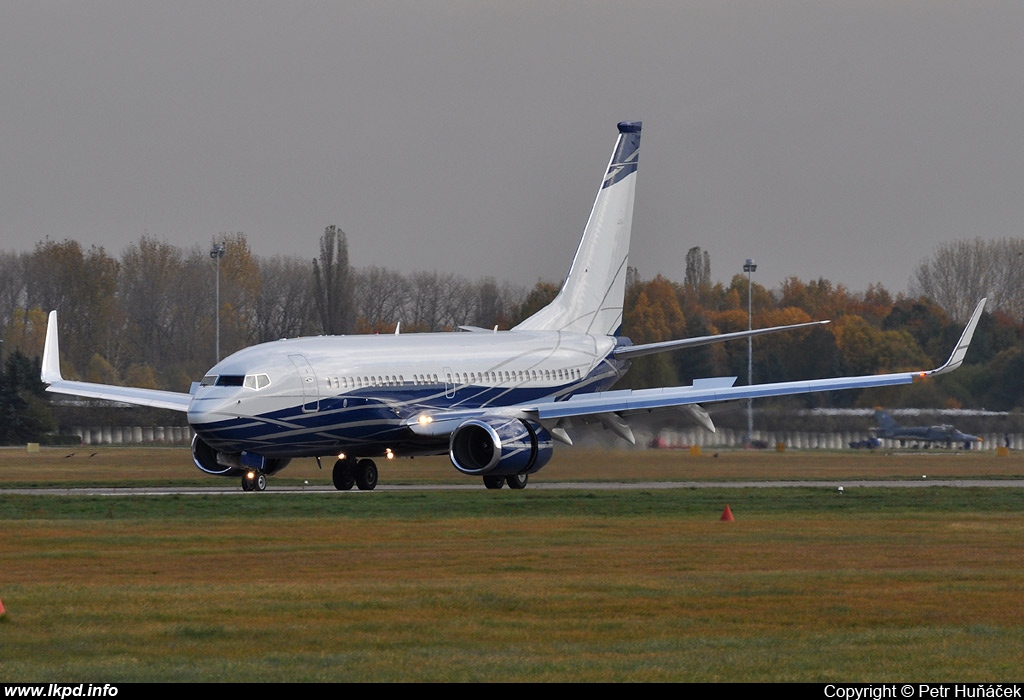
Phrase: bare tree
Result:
[698,269]
[456,301]
[240,287]
[383,296]
[284,306]
[167,296]
[12,286]
[424,305]
[80,285]
[332,283]
[961,272]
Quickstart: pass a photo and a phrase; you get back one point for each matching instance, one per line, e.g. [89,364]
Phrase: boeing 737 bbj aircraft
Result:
[493,400]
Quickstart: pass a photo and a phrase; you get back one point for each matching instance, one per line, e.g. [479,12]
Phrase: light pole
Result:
[217,252]
[750,267]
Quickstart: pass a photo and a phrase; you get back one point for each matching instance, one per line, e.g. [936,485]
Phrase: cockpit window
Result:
[249,381]
[256,381]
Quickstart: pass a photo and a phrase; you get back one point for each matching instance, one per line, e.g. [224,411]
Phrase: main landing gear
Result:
[516,481]
[362,474]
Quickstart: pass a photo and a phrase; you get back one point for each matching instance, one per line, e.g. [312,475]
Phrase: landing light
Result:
[341,455]
[250,475]
[388,453]
[424,419]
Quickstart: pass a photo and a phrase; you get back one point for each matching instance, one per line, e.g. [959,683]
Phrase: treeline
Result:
[147,318]
[960,272]
[870,333]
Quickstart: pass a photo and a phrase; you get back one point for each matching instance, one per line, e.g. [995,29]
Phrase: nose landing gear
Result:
[253,480]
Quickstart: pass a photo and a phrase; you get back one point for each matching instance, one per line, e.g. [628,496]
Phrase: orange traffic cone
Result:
[2,611]
[727,515]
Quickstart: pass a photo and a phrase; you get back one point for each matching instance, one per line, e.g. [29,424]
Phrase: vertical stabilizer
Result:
[885,421]
[591,298]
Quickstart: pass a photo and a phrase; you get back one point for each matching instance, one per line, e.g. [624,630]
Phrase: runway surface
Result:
[550,486]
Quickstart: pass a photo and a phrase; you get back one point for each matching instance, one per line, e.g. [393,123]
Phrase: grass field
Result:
[878,584]
[172,466]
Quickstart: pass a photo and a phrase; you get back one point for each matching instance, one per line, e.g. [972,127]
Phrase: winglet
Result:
[51,353]
[957,358]
[50,374]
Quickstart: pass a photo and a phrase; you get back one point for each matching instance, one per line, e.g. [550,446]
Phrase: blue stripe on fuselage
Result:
[366,421]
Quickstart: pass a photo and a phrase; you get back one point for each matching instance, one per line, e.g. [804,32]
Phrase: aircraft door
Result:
[310,388]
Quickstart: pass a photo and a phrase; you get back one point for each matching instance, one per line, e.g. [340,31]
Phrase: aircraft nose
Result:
[208,409]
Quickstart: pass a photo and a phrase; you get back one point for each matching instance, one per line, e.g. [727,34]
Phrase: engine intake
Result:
[500,446]
[217,463]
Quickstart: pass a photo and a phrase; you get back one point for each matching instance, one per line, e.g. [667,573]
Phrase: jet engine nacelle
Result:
[500,446]
[211,461]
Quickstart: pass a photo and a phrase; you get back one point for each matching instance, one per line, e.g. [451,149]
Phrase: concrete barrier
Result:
[135,435]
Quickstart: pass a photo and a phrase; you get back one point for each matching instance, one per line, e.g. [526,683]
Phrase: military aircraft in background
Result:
[494,401]
[947,435]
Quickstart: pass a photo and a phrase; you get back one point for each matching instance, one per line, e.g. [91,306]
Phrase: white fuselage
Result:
[319,396]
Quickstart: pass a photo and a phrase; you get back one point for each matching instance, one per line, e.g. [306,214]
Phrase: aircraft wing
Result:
[651,399]
[637,400]
[140,397]
[610,406]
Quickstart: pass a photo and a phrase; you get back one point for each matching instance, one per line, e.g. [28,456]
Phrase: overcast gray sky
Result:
[843,140]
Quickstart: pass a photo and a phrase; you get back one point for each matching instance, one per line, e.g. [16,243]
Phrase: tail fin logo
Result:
[625,160]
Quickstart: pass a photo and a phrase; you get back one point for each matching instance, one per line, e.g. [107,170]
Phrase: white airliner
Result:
[493,400]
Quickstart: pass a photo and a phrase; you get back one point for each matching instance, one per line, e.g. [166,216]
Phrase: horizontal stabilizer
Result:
[626,352]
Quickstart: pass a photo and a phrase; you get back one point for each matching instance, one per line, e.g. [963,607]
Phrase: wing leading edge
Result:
[140,397]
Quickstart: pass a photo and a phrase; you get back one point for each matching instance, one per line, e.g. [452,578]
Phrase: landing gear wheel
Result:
[247,483]
[342,476]
[517,481]
[366,475]
[260,482]
[494,482]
